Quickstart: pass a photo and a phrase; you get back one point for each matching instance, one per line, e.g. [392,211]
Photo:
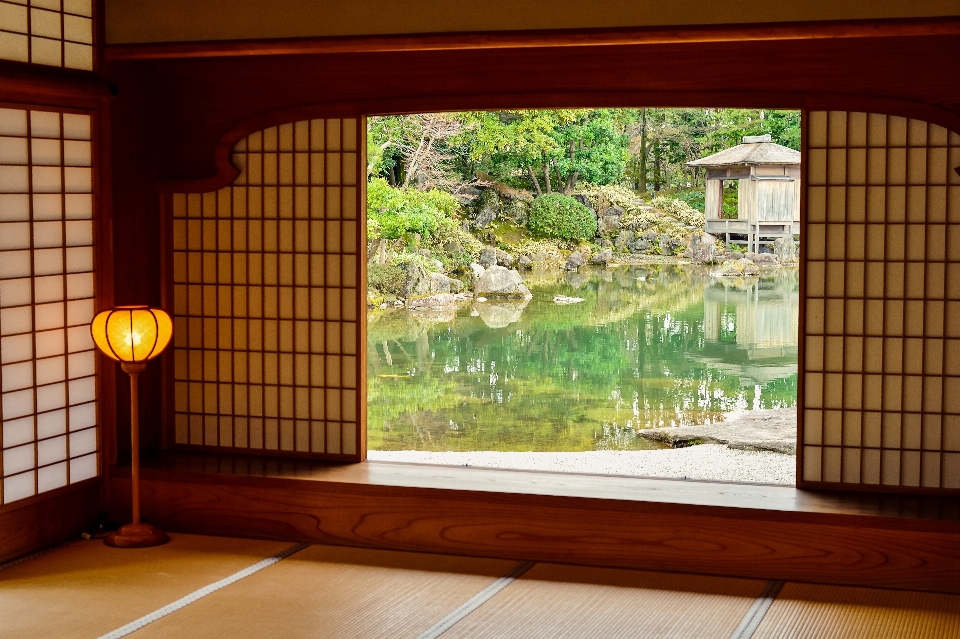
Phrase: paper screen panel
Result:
[266,288]
[48,406]
[52,32]
[882,336]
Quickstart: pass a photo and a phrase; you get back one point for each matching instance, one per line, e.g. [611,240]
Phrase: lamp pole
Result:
[133,369]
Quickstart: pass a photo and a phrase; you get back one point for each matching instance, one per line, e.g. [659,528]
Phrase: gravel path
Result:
[706,461]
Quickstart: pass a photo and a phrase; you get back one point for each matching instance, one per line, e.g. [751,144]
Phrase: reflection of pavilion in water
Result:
[751,327]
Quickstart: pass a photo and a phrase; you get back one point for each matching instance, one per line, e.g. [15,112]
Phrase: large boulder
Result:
[574,262]
[766,259]
[419,282]
[504,258]
[484,209]
[441,300]
[498,281]
[488,256]
[477,270]
[702,248]
[736,268]
[602,258]
[525,263]
[609,222]
[786,250]
[623,241]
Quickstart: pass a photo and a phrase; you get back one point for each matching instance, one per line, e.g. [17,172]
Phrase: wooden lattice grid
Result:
[51,32]
[48,411]
[881,357]
[269,320]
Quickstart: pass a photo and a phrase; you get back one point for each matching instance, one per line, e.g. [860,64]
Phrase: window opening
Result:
[545,291]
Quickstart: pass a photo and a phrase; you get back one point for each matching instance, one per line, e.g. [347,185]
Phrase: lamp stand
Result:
[136,534]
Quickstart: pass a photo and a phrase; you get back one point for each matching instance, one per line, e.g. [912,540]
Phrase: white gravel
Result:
[705,461]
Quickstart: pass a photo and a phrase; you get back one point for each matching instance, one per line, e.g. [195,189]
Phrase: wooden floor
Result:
[199,586]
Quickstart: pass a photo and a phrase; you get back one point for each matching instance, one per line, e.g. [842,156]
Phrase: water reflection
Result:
[647,347]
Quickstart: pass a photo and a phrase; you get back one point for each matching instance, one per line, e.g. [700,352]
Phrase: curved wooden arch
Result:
[227,173]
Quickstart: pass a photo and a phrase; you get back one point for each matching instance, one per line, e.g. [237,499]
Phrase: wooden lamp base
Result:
[136,536]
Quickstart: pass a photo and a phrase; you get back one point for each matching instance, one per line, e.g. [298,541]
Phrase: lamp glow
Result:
[133,335]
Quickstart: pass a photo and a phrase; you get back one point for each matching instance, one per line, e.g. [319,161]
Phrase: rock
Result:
[539,256]
[498,281]
[702,248]
[623,241]
[574,262]
[467,194]
[582,199]
[771,430]
[640,246]
[452,247]
[504,258]
[750,255]
[766,259]
[602,257]
[736,268]
[488,256]
[485,209]
[786,250]
[416,282]
[500,313]
[563,299]
[432,301]
[608,225]
[605,243]
[477,270]
[525,263]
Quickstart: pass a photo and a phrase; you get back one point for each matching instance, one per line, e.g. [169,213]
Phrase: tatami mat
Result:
[87,589]
[821,612]
[552,601]
[325,591]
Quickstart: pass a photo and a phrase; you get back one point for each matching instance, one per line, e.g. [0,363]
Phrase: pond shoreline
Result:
[704,462]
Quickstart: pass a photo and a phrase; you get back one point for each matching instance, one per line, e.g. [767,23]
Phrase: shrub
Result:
[562,217]
[396,213]
[386,278]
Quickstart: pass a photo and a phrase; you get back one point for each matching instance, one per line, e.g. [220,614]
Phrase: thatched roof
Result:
[754,150]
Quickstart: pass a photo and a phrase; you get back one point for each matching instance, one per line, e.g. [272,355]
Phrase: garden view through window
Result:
[610,291]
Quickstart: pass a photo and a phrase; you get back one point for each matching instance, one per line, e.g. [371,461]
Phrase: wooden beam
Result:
[624,530]
[540,38]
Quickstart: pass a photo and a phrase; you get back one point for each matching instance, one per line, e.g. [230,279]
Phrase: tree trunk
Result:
[533,178]
[656,168]
[546,176]
[571,183]
[644,148]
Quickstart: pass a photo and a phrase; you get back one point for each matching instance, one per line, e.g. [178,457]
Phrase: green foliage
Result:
[386,278]
[562,217]
[398,213]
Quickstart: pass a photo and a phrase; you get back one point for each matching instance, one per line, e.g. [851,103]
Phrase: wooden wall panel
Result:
[881,354]
[32,525]
[839,549]
[266,297]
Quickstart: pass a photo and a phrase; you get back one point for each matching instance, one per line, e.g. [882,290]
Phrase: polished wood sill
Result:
[745,530]
[664,491]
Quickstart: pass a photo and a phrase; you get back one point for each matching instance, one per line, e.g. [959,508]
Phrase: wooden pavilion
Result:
[768,198]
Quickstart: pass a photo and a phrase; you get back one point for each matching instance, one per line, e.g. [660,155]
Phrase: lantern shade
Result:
[132,333]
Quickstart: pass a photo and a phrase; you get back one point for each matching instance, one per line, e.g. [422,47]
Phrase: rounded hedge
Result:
[559,216]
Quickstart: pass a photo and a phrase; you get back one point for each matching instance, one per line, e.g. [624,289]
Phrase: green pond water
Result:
[648,347]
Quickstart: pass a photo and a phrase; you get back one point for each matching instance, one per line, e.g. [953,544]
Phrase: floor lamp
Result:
[133,335]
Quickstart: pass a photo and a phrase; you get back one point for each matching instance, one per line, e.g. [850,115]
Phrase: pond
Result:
[649,346]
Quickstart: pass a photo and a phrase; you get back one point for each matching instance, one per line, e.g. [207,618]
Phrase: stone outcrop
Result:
[498,281]
[574,262]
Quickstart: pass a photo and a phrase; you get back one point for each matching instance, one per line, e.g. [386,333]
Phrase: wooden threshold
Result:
[742,530]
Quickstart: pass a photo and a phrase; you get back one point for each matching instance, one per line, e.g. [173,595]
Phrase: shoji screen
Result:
[882,330]
[268,311]
[48,408]
[52,32]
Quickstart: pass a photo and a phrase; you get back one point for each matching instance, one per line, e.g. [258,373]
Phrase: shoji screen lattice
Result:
[48,408]
[267,275]
[52,32]
[882,331]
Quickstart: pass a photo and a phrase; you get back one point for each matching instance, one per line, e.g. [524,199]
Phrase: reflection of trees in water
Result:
[561,377]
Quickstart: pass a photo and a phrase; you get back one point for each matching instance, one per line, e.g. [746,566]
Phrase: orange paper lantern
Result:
[132,333]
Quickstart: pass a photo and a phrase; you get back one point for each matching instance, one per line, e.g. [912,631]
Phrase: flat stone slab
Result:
[772,430]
